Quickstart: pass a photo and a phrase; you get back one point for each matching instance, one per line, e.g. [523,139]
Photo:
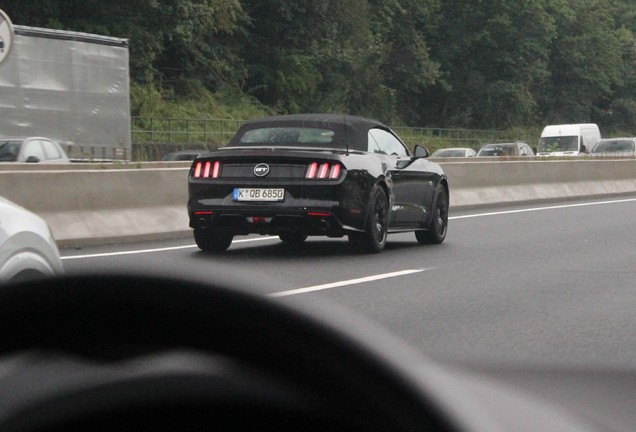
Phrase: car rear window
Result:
[9,151]
[289,136]
[498,150]
[450,153]
[614,146]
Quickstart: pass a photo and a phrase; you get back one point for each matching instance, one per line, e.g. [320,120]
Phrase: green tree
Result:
[281,70]
[172,42]
[361,57]
[617,110]
[585,61]
[351,56]
[493,57]
[407,68]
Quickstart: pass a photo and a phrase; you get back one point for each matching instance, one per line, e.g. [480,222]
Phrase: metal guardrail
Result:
[153,137]
[473,138]
[183,130]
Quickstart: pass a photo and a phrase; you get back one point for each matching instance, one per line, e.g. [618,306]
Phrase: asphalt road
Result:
[551,285]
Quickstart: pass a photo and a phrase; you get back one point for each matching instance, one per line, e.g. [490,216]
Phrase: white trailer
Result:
[69,86]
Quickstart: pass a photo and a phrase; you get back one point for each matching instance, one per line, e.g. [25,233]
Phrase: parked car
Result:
[27,247]
[454,152]
[316,174]
[31,149]
[510,149]
[182,155]
[614,147]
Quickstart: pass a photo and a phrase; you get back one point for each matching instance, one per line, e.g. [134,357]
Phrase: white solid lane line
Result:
[164,249]
[132,252]
[556,207]
[345,283]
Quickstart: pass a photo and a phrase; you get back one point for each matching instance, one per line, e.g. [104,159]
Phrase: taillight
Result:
[321,171]
[334,172]
[207,169]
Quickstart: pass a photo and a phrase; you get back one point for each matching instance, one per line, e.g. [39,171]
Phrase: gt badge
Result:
[261,170]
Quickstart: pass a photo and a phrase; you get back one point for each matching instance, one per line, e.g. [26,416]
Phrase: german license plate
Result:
[258,194]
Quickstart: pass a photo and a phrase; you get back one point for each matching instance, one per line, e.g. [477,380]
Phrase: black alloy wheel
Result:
[373,239]
[439,225]
[212,241]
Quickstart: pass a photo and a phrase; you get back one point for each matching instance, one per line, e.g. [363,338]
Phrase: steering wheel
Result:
[158,353]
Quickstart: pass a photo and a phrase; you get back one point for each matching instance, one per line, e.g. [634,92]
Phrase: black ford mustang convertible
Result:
[304,175]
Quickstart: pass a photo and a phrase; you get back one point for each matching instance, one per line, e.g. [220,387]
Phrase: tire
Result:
[212,241]
[439,225]
[292,238]
[373,239]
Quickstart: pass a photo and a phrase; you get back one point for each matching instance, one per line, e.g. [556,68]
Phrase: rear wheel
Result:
[439,225]
[292,238]
[373,239]
[212,241]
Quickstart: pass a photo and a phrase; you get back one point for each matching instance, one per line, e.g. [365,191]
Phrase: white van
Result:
[568,139]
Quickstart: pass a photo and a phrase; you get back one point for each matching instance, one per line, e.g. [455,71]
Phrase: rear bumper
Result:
[327,210]
[270,222]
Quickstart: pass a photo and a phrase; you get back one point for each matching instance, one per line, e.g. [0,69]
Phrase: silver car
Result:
[511,149]
[614,147]
[454,152]
[27,247]
[31,149]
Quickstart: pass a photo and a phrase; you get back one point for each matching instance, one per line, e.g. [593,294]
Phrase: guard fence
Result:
[153,137]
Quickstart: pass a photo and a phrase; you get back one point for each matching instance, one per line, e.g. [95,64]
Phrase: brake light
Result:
[207,169]
[321,171]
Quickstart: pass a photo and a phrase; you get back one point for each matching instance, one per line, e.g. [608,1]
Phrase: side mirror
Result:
[33,159]
[421,152]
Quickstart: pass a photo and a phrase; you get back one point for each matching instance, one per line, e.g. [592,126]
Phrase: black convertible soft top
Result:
[350,132]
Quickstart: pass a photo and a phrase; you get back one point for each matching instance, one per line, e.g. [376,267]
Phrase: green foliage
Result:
[585,61]
[617,109]
[493,60]
[169,39]
[147,100]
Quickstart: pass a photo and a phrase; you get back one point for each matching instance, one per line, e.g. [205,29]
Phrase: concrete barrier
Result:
[478,184]
[93,203]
